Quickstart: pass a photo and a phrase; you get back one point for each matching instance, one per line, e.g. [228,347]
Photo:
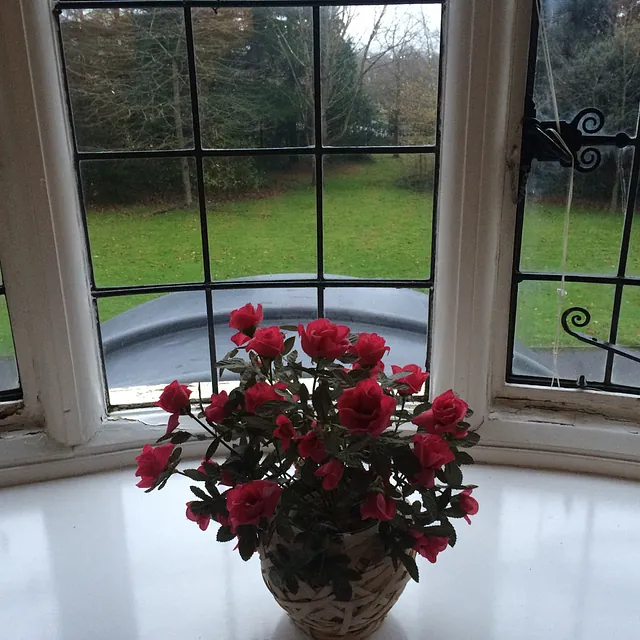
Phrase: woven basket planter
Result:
[316,612]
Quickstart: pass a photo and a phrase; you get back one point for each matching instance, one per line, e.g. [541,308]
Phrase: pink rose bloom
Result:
[215,411]
[258,394]
[429,546]
[174,400]
[310,446]
[468,504]
[365,408]
[433,453]
[443,417]
[267,342]
[378,506]
[331,473]
[284,431]
[323,339]
[151,463]
[249,503]
[202,520]
[370,349]
[414,379]
[244,320]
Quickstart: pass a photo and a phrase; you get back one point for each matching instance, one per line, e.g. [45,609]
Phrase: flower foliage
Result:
[315,451]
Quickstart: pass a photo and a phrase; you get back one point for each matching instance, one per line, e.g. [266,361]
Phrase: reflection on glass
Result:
[595,50]
[255,76]
[596,218]
[261,215]
[379,74]
[627,371]
[536,327]
[128,78]
[8,367]
[400,316]
[143,221]
[149,341]
[378,214]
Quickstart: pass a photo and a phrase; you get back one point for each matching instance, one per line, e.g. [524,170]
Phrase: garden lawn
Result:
[373,228]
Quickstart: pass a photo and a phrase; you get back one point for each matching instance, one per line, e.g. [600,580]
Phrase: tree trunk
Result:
[184,162]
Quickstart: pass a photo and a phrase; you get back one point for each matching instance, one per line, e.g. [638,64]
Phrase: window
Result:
[597,81]
[281,155]
[448,288]
[9,381]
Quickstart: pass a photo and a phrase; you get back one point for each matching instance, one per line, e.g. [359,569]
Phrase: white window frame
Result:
[62,428]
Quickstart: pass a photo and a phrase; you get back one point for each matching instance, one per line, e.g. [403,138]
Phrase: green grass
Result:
[373,228]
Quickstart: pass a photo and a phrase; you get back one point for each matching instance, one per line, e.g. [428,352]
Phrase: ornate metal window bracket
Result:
[543,142]
[580,317]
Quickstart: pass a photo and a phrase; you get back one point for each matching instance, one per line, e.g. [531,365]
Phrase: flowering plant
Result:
[314,452]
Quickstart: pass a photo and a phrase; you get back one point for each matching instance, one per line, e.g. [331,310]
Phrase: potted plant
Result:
[337,473]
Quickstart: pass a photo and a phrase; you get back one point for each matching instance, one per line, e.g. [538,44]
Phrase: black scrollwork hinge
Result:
[576,144]
[579,317]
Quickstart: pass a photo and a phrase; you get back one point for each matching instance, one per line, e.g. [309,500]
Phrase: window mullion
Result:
[47,284]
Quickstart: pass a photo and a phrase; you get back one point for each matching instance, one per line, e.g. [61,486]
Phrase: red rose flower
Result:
[443,417]
[225,475]
[370,348]
[267,342]
[258,394]
[429,546]
[330,472]
[215,411]
[202,520]
[433,453]
[373,371]
[174,400]
[151,463]
[323,339]
[365,408]
[284,431]
[468,504]
[244,320]
[310,446]
[378,506]
[414,379]
[248,503]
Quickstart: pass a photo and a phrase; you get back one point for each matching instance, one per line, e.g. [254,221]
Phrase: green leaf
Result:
[470,440]
[175,456]
[453,474]
[410,565]
[178,437]
[288,345]
[197,491]
[289,327]
[196,475]
[246,546]
[292,357]
[237,365]
[407,463]
[321,399]
[211,449]
[462,457]
[224,534]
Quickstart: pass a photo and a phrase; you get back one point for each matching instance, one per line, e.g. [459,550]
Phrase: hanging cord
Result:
[561,291]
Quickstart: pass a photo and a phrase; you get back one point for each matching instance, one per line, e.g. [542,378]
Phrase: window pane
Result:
[8,367]
[148,341]
[378,213]
[633,261]
[128,78]
[255,76]
[595,49]
[261,215]
[379,74]
[596,217]
[536,326]
[143,221]
[400,316]
[626,371]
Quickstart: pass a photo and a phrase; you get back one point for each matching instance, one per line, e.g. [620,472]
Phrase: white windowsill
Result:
[548,556]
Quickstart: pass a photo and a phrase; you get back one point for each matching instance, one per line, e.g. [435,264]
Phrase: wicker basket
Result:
[316,612]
